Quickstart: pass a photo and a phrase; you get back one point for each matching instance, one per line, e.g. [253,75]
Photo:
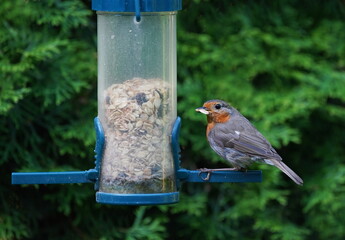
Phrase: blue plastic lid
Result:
[129,5]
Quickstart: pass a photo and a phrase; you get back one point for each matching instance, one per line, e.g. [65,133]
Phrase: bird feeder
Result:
[137,150]
[137,97]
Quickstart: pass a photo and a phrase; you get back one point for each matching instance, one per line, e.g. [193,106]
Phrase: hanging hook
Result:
[137,10]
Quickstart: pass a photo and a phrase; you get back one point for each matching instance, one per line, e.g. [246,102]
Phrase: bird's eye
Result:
[218,106]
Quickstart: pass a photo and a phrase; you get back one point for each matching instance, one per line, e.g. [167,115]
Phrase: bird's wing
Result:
[245,138]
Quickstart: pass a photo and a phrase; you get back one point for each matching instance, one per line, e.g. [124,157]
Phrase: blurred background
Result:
[281,63]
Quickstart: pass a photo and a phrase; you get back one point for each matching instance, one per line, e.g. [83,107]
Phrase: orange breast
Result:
[221,118]
[214,119]
[210,126]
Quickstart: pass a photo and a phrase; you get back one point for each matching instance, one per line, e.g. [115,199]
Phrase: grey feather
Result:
[288,171]
[249,140]
[241,143]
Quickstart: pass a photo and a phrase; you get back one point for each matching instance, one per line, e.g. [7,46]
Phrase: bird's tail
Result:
[288,171]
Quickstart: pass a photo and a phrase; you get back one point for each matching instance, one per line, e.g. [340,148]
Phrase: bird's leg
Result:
[209,171]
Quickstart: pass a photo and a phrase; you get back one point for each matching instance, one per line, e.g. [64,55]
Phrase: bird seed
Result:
[137,123]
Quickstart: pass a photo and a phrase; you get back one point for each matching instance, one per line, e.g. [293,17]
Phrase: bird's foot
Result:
[205,170]
[209,171]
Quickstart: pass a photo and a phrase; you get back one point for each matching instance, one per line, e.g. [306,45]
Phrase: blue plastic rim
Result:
[130,5]
[137,199]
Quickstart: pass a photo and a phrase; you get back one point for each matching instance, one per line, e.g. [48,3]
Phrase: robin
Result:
[235,139]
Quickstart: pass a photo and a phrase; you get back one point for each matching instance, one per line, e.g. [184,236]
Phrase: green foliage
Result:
[146,227]
[281,63]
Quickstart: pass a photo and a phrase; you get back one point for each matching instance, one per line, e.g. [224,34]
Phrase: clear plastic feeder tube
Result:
[137,101]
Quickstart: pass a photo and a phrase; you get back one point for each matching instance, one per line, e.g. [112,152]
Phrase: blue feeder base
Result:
[137,199]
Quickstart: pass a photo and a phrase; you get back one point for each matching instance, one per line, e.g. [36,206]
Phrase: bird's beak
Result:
[202,110]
